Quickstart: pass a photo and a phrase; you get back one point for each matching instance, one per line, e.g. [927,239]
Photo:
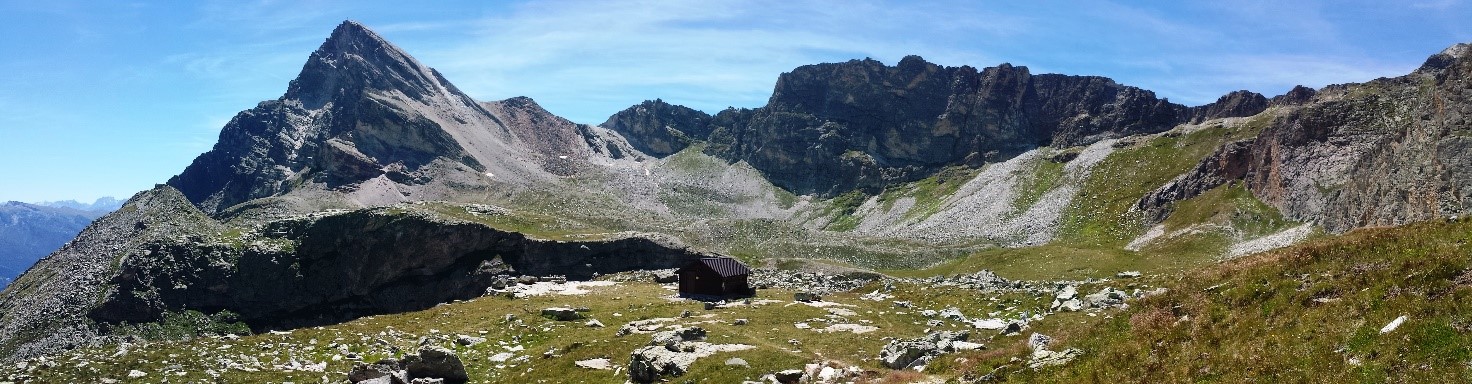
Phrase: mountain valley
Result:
[960,224]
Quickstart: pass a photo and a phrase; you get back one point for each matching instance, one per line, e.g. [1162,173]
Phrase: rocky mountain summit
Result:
[365,124]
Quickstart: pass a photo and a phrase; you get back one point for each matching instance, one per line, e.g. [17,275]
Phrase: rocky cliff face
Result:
[831,128]
[1235,104]
[1386,152]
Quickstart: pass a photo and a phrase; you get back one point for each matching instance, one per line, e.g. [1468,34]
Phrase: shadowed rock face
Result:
[1386,152]
[333,268]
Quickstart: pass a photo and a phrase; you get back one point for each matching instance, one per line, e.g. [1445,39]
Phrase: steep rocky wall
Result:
[831,128]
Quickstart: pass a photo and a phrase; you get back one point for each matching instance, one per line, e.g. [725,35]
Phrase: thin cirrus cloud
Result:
[588,60]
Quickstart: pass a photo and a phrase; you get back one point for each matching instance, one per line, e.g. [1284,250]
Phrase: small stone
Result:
[737,361]
[594,323]
[133,374]
[467,340]
[790,376]
[561,313]
[1038,341]
[600,364]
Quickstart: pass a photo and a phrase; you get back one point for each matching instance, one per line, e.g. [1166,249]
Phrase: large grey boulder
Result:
[648,364]
[436,363]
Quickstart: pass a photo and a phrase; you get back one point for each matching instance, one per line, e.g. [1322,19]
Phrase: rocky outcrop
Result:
[44,311]
[831,128]
[382,260]
[908,353]
[658,128]
[1299,95]
[1230,162]
[431,364]
[1386,152]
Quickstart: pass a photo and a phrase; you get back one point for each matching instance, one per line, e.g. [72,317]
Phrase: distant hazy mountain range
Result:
[30,231]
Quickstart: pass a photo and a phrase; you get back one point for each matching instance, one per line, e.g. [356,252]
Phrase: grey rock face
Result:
[830,128]
[328,128]
[45,309]
[1229,162]
[1315,162]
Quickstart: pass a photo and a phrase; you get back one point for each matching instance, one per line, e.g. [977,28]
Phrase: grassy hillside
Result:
[1310,313]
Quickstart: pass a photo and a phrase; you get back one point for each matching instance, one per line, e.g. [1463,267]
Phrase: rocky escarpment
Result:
[160,254]
[328,268]
[831,128]
[1386,152]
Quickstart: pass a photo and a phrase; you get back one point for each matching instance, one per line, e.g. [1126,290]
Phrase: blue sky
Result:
[109,98]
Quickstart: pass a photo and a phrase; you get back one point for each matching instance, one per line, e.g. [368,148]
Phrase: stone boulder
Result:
[432,364]
[791,376]
[388,370]
[807,297]
[669,353]
[906,353]
[435,363]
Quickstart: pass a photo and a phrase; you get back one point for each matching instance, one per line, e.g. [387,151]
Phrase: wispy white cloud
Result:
[705,54]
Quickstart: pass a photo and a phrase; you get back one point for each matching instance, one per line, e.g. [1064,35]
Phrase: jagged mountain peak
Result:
[355,59]
[370,125]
